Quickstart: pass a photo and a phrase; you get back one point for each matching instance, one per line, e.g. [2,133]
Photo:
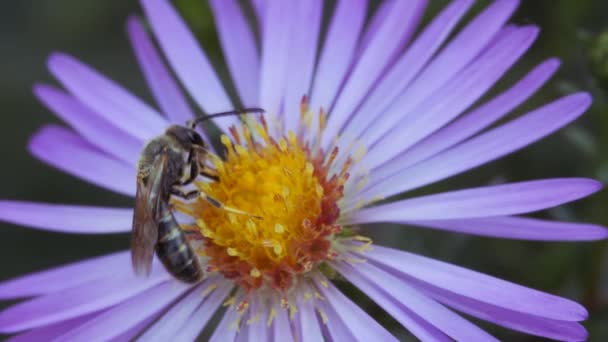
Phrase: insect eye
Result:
[195,138]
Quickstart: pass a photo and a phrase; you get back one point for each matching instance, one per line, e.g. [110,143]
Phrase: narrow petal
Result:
[227,328]
[275,53]
[194,323]
[498,200]
[85,298]
[239,48]
[519,228]
[472,122]
[387,40]
[90,125]
[133,332]
[380,285]
[67,218]
[360,323]
[170,323]
[199,319]
[281,326]
[50,332]
[416,325]
[257,327]
[306,322]
[449,101]
[67,276]
[259,7]
[302,57]
[400,75]
[336,328]
[455,56]
[167,93]
[486,147]
[107,98]
[475,285]
[188,60]
[127,314]
[70,153]
[338,51]
[554,329]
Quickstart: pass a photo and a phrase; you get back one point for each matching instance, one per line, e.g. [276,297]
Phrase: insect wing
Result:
[145,225]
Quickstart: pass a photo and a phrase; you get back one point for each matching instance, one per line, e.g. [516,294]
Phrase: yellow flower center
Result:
[291,209]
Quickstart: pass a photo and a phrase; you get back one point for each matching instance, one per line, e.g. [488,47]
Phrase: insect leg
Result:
[183,194]
[221,205]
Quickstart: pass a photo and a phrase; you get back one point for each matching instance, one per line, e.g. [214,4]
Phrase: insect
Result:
[167,163]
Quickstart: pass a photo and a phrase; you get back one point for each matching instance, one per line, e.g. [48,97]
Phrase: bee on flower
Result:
[260,228]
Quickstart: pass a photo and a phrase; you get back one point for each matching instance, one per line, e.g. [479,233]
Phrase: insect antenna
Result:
[192,123]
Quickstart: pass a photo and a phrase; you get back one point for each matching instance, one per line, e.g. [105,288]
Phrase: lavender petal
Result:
[127,314]
[70,153]
[475,285]
[472,122]
[107,98]
[486,147]
[497,200]
[67,218]
[188,60]
[90,125]
[401,74]
[166,91]
[387,40]
[519,228]
[240,51]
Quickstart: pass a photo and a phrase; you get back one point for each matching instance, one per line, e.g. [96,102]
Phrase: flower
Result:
[402,113]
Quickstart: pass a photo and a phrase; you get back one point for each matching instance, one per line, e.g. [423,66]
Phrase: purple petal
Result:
[187,59]
[420,328]
[497,200]
[399,76]
[127,314]
[387,40]
[192,322]
[307,325]
[486,147]
[51,332]
[107,98]
[302,55]
[475,285]
[455,56]
[171,321]
[471,123]
[275,53]
[226,331]
[70,153]
[520,228]
[530,324]
[259,7]
[449,101]
[67,218]
[94,128]
[383,287]
[85,298]
[136,330]
[361,325]
[336,329]
[199,319]
[258,313]
[239,48]
[338,50]
[67,276]
[281,327]
[167,93]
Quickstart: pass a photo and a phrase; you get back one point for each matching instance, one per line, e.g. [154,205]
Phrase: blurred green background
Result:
[94,31]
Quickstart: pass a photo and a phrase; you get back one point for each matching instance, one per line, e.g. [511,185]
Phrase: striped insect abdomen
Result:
[175,252]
